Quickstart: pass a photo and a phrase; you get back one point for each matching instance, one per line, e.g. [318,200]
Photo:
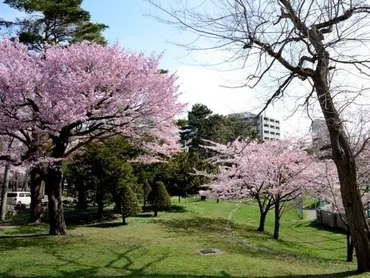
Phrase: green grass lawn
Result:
[165,247]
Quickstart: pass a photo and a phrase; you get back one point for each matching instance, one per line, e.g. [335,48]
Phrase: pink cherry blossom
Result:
[272,173]
[87,90]
[56,102]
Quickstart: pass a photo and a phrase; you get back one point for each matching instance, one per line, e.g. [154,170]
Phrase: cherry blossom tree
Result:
[328,188]
[76,94]
[273,173]
[239,176]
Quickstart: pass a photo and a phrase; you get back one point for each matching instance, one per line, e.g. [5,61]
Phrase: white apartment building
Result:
[267,127]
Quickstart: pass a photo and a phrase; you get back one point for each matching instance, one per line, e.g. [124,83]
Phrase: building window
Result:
[267,138]
[266,131]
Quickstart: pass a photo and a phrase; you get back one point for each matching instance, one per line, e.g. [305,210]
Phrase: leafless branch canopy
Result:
[278,36]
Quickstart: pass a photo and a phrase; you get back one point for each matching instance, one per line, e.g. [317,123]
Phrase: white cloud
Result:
[201,85]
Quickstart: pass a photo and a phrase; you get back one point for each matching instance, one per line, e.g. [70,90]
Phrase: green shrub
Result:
[159,198]
[129,203]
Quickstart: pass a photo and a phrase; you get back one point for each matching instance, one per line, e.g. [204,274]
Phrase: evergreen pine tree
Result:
[129,203]
[159,198]
[52,22]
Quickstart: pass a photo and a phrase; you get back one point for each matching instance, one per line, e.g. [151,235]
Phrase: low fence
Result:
[330,219]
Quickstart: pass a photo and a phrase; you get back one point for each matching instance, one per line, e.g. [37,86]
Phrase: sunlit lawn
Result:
[166,247]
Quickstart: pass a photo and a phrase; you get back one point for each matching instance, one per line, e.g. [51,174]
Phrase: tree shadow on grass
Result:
[137,273]
[321,227]
[125,263]
[247,240]
[145,215]
[173,209]
[24,236]
[176,208]
[194,225]
[107,225]
[86,218]
[25,229]
[13,242]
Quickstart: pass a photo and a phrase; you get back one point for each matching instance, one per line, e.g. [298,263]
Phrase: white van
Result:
[19,198]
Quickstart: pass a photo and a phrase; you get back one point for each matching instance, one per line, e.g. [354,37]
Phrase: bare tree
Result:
[316,42]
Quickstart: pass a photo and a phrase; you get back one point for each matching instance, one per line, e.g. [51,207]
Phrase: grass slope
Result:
[165,247]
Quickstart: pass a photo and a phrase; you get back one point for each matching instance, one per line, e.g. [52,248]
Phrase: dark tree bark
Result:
[350,247]
[277,220]
[4,192]
[124,221]
[5,186]
[36,178]
[144,205]
[261,227]
[81,198]
[99,201]
[264,207]
[155,213]
[346,166]
[53,179]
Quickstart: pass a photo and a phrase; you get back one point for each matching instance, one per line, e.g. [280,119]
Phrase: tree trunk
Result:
[261,227]
[346,166]
[124,220]
[357,222]
[53,188]
[4,192]
[155,213]
[277,220]
[36,177]
[349,246]
[62,183]
[179,198]
[81,198]
[117,201]
[99,201]
[144,203]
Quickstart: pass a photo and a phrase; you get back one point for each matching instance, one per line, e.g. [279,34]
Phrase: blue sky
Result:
[131,26]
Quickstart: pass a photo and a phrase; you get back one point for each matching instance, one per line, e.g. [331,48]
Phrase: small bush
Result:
[159,198]
[129,203]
